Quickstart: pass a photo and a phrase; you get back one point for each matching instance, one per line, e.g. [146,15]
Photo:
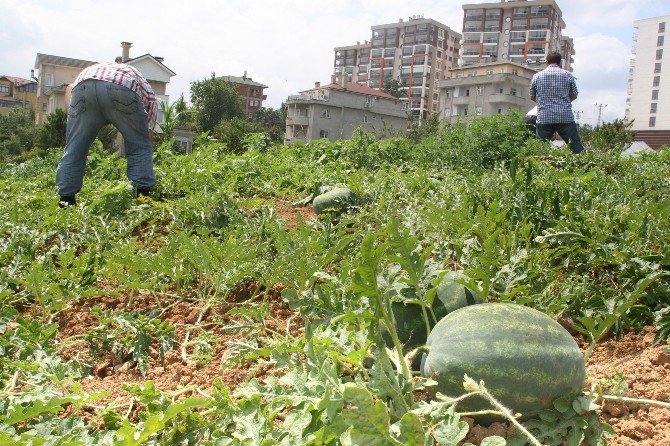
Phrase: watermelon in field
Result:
[449,296]
[525,358]
[335,200]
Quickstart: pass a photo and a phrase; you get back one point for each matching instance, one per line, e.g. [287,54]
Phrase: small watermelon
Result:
[525,358]
[449,296]
[335,200]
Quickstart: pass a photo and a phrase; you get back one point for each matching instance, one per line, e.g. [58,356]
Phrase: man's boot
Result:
[66,201]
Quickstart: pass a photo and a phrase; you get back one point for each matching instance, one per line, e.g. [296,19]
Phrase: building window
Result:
[325,113]
[653,107]
[657,81]
[652,121]
[512,91]
[515,72]
[44,106]
[365,119]
[447,111]
[448,94]
[661,27]
[480,91]
[660,41]
[467,92]
[473,73]
[659,54]
[4,88]
[654,95]
[489,72]
[500,111]
[478,110]
[657,67]
[323,133]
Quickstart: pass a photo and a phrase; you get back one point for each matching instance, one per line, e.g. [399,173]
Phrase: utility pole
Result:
[578,114]
[600,112]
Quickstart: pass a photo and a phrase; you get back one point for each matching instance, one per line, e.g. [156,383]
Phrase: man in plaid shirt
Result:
[554,89]
[104,93]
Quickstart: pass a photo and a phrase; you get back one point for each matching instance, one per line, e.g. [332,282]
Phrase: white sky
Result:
[288,45]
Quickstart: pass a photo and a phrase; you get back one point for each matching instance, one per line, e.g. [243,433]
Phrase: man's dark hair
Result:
[554,57]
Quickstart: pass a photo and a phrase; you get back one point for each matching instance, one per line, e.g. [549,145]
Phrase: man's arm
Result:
[533,90]
[573,89]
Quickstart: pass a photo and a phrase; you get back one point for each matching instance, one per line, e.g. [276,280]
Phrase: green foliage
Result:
[613,136]
[394,87]
[584,238]
[236,135]
[17,134]
[273,123]
[214,100]
[125,336]
[52,132]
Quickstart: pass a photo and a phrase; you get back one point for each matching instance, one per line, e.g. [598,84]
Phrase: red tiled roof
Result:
[17,80]
[354,88]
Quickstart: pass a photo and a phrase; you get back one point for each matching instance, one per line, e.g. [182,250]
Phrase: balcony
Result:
[473,29]
[474,17]
[297,120]
[504,98]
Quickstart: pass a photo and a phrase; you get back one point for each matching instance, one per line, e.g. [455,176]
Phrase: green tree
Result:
[612,136]
[394,87]
[233,133]
[272,121]
[17,134]
[215,99]
[52,132]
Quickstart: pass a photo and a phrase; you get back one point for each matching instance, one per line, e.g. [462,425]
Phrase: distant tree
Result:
[215,99]
[273,122]
[612,136]
[394,87]
[52,132]
[17,134]
[234,132]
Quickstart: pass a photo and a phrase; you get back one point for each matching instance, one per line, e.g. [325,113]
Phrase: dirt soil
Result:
[645,369]
[175,370]
[290,214]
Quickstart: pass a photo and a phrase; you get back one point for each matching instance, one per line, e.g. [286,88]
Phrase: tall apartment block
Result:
[518,31]
[648,102]
[417,52]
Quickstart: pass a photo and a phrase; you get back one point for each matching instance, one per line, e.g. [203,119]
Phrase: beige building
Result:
[16,92]
[486,89]
[416,52]
[648,102]
[335,110]
[55,74]
[516,31]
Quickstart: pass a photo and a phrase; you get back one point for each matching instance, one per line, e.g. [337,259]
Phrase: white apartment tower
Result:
[518,31]
[417,52]
[648,102]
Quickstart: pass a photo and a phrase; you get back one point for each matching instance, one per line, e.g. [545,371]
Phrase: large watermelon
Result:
[525,358]
[449,296]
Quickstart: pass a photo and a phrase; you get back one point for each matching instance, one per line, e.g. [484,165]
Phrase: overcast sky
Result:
[288,45]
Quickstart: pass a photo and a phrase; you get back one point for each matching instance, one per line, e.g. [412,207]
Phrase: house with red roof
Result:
[17,92]
[336,110]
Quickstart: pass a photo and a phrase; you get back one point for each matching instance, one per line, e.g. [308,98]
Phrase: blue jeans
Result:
[93,104]
[566,130]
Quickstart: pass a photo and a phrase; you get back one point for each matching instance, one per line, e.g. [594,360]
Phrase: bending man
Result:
[104,93]
[554,89]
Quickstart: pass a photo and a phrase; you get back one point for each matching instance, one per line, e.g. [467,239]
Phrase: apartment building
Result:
[486,89]
[648,102]
[517,31]
[251,92]
[416,52]
[16,92]
[335,110]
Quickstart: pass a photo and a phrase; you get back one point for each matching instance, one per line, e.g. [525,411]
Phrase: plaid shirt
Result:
[552,89]
[126,76]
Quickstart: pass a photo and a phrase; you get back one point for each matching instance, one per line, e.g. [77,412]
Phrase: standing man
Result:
[104,93]
[554,89]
